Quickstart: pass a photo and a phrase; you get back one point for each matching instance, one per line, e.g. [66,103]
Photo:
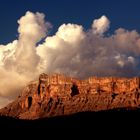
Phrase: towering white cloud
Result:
[100,25]
[32,28]
[72,51]
[19,60]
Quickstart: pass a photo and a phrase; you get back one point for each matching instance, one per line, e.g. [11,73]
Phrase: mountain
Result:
[59,95]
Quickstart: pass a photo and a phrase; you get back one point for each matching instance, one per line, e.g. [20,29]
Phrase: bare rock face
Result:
[55,95]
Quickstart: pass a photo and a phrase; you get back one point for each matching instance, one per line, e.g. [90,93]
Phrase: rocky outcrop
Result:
[54,95]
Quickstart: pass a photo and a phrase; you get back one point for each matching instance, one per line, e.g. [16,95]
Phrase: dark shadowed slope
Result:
[110,118]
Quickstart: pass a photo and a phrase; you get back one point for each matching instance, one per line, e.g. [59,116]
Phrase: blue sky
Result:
[122,13]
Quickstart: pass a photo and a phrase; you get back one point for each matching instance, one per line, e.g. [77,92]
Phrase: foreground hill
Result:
[58,95]
[101,120]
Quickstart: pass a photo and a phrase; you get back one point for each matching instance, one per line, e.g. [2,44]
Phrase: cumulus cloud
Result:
[4,101]
[100,25]
[71,50]
[19,60]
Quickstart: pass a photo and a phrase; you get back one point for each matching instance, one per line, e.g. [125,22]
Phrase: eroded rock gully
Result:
[54,95]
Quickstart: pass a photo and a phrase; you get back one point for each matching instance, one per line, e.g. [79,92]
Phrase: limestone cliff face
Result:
[54,95]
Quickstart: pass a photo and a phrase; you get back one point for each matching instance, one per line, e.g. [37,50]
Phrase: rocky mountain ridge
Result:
[56,95]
